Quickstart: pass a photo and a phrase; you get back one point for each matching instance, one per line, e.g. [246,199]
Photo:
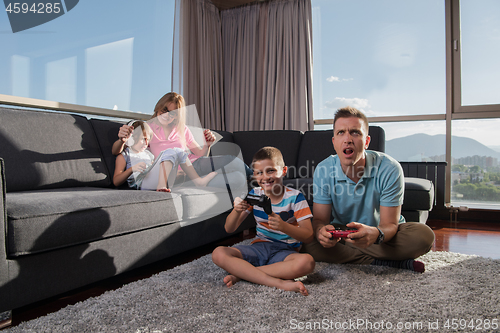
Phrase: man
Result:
[363,190]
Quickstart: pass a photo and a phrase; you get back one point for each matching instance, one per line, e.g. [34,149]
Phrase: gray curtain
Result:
[197,60]
[268,66]
[248,68]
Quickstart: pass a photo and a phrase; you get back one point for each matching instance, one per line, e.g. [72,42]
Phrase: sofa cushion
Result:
[43,220]
[45,150]
[377,138]
[204,202]
[314,148]
[287,141]
[419,194]
[226,147]
[225,136]
[106,132]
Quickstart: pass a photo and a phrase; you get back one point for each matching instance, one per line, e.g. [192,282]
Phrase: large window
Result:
[475,156]
[475,174]
[110,54]
[480,49]
[434,61]
[386,58]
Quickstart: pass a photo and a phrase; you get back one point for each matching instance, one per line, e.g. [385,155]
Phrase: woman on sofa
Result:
[168,124]
[137,166]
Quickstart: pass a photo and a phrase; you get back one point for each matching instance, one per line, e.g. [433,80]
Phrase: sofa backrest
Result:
[45,150]
[288,141]
[106,132]
[301,151]
[317,145]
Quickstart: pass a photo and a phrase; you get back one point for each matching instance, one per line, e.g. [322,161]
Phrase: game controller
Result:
[337,233]
[261,201]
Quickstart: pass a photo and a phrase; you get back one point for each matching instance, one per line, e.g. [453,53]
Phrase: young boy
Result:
[273,258]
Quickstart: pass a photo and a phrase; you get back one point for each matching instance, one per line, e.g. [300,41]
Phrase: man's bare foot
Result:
[295,286]
[163,189]
[203,181]
[230,280]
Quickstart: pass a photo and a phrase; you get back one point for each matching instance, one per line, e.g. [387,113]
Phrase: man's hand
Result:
[365,236]
[125,133]
[324,237]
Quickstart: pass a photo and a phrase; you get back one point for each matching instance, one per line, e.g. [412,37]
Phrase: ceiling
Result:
[227,4]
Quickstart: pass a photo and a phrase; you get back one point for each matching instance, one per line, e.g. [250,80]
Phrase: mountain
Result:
[495,148]
[412,147]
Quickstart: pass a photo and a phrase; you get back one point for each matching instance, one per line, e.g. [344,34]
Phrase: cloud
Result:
[337,79]
[340,102]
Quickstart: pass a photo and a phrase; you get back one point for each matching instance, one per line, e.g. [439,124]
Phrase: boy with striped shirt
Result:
[273,258]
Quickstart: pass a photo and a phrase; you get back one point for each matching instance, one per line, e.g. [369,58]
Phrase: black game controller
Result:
[261,201]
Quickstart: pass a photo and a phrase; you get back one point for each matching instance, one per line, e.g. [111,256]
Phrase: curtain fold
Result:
[248,68]
[197,70]
[268,66]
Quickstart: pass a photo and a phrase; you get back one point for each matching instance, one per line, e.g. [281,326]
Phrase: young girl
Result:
[138,167]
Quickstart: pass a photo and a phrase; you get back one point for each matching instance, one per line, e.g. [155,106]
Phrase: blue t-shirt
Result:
[382,184]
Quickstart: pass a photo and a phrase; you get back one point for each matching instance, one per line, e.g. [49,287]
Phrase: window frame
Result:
[460,111]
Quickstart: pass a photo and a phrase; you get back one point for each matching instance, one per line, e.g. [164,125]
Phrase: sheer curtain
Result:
[248,68]
[197,59]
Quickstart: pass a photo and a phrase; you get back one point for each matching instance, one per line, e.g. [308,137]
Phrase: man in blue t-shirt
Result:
[363,190]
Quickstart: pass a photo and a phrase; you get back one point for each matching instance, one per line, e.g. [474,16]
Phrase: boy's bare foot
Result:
[230,280]
[295,286]
[288,285]
[203,181]
[163,189]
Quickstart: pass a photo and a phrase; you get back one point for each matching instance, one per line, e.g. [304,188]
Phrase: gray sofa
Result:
[64,225]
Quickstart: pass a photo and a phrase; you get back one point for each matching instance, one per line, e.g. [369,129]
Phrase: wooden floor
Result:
[481,239]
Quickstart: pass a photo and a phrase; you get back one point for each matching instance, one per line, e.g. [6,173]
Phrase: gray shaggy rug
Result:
[457,293]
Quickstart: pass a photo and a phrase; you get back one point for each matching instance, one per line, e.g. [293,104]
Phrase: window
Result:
[480,47]
[393,66]
[109,54]
[475,173]
[421,141]
[474,143]
[390,63]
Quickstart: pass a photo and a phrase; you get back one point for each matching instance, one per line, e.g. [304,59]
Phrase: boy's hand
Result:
[141,166]
[125,133]
[240,205]
[275,222]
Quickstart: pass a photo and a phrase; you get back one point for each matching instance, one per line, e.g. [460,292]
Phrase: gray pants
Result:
[411,241]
